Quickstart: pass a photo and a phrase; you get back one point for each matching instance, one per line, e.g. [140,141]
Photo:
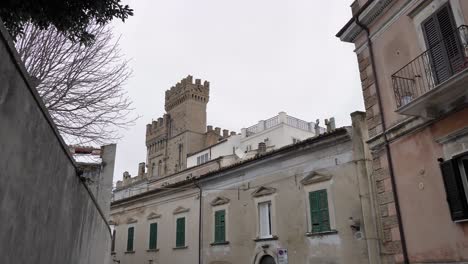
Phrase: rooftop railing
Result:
[437,64]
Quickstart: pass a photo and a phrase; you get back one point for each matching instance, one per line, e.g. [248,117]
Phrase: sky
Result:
[261,57]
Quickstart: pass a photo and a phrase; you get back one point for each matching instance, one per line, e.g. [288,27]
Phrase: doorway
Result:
[267,259]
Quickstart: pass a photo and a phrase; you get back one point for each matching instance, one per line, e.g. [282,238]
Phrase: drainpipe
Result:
[200,239]
[386,143]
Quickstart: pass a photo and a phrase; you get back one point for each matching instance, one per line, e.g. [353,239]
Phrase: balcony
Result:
[436,81]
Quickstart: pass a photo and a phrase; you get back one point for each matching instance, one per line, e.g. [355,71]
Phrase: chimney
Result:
[218,130]
[141,169]
[261,147]
[225,133]
[209,128]
[233,133]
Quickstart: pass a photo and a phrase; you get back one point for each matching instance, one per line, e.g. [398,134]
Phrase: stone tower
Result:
[180,131]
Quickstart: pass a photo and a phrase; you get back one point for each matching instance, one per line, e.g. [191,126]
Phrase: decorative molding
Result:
[324,233]
[261,239]
[452,136]
[315,177]
[263,191]
[112,222]
[131,220]
[220,200]
[180,210]
[153,215]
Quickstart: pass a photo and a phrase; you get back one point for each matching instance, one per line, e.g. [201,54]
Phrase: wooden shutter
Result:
[454,190]
[180,232]
[130,235]
[220,226]
[153,238]
[451,37]
[319,214]
[443,42]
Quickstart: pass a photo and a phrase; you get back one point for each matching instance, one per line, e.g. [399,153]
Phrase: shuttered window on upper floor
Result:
[130,237]
[319,213]
[180,232]
[455,176]
[153,236]
[220,226]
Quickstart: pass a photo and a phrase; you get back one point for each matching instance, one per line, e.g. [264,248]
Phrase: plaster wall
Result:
[422,193]
[46,211]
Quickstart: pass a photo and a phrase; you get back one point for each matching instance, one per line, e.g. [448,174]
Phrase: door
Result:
[443,42]
[267,260]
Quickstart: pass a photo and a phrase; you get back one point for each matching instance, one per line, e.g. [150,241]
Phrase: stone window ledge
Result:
[129,252]
[324,233]
[152,250]
[260,239]
[176,248]
[220,243]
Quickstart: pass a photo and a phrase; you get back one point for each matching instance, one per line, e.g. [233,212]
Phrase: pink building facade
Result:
[413,63]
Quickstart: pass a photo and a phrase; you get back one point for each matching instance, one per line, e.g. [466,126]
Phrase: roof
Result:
[336,132]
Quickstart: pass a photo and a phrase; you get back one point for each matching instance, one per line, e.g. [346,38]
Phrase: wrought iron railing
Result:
[434,66]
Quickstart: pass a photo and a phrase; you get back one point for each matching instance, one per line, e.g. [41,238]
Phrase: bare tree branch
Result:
[81,85]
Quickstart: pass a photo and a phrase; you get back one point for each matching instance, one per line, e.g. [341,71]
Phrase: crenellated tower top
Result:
[185,90]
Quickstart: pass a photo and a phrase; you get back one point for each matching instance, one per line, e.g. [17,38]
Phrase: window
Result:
[445,51]
[130,236]
[319,215]
[113,241]
[153,236]
[296,140]
[153,169]
[455,175]
[180,232]
[203,158]
[248,148]
[264,213]
[220,226]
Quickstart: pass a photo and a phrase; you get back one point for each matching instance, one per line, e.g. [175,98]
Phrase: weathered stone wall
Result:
[46,211]
[386,219]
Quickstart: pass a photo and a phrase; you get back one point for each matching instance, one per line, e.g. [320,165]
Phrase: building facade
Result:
[283,188]
[412,58]
[308,202]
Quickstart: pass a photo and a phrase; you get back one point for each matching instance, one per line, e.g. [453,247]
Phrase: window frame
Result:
[324,185]
[273,229]
[132,249]
[156,236]
[177,243]
[261,221]
[318,211]
[459,173]
[215,225]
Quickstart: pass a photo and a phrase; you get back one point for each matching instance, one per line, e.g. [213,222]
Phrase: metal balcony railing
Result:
[434,66]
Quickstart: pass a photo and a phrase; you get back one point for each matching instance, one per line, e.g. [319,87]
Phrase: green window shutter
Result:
[319,215]
[180,232]
[130,235]
[153,238]
[220,226]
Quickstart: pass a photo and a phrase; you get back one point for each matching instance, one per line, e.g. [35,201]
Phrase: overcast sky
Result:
[260,57]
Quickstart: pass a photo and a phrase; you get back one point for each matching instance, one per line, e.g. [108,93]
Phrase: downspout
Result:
[386,143]
[200,239]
